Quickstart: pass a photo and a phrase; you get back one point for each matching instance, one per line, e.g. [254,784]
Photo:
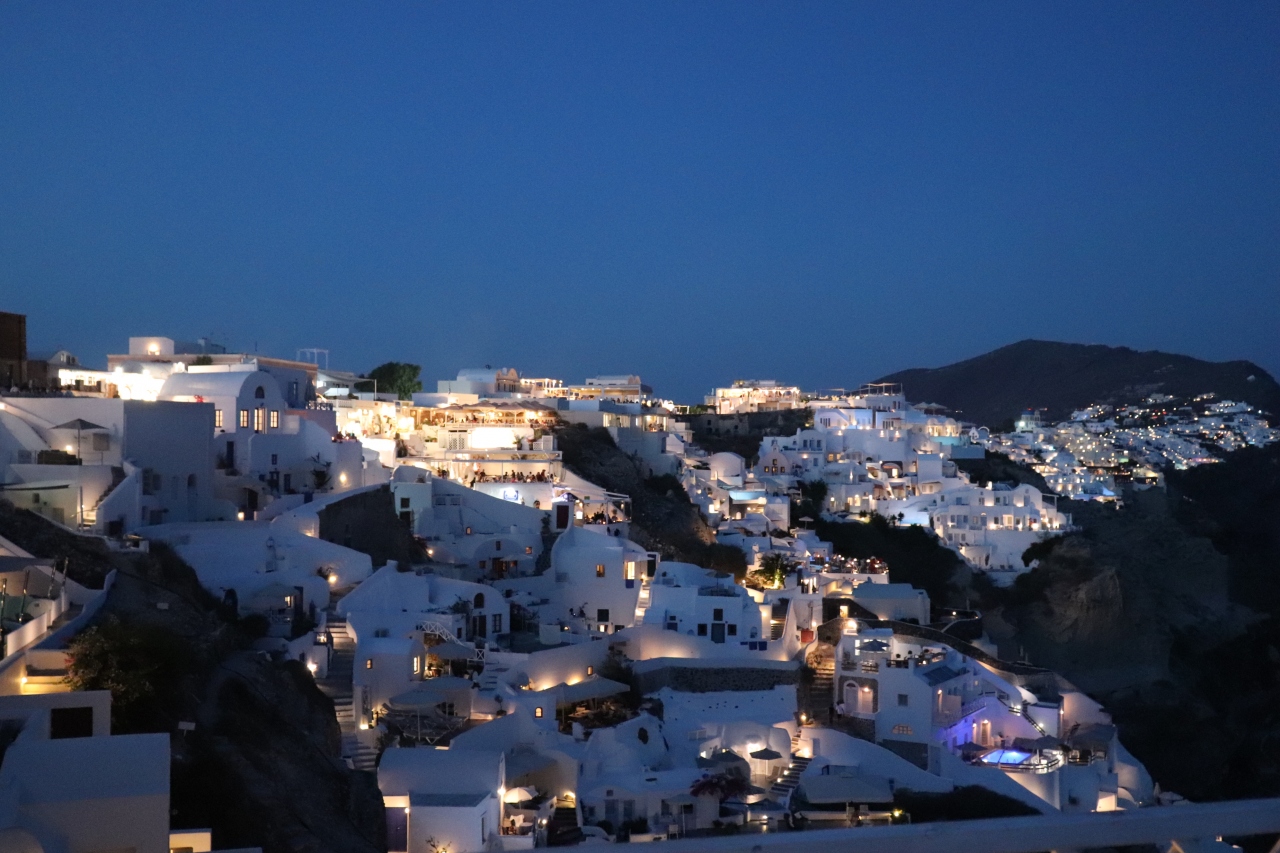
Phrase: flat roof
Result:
[467,800]
[89,768]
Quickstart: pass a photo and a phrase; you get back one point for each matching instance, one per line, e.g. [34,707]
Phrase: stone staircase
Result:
[790,778]
[490,676]
[563,829]
[337,686]
[821,693]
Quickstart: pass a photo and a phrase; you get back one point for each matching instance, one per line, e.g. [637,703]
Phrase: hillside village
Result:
[515,655]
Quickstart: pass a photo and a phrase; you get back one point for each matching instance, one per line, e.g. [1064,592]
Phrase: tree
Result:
[773,571]
[723,785]
[141,665]
[400,378]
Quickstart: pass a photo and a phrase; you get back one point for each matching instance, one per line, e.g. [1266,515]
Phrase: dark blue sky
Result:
[820,193]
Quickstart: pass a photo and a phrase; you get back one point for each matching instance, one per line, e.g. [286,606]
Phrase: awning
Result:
[846,789]
[430,693]
[594,687]
[452,651]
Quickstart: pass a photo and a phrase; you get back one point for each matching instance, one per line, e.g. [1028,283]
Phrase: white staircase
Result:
[337,686]
[642,604]
[790,778]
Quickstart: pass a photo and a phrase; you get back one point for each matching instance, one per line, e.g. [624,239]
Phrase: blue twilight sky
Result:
[816,192]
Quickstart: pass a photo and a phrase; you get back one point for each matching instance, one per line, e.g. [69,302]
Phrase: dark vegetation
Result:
[397,378]
[969,802]
[663,519]
[1060,377]
[998,468]
[262,766]
[913,554]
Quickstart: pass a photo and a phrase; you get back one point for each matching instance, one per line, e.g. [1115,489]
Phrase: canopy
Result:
[452,651]
[430,693]
[846,789]
[766,754]
[594,687]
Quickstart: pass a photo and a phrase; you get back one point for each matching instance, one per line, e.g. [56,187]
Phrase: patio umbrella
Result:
[520,795]
[766,754]
[81,425]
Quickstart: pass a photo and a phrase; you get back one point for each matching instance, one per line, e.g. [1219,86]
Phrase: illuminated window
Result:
[902,729]
[368,663]
[591,670]
[275,419]
[599,570]
[244,417]
[537,712]
[528,549]
[217,418]
[259,419]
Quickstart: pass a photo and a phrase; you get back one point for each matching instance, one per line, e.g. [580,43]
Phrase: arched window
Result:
[479,600]
[260,393]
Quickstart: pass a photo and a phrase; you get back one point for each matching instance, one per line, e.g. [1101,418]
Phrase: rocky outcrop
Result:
[262,766]
[1085,613]
[274,738]
[662,519]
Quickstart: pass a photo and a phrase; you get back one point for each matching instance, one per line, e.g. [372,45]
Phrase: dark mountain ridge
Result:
[1060,377]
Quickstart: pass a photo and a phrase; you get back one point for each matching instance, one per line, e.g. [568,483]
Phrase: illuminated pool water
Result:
[1006,756]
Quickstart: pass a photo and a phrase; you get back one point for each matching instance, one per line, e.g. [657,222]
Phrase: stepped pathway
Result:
[644,600]
[790,778]
[821,693]
[337,686]
[563,829]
